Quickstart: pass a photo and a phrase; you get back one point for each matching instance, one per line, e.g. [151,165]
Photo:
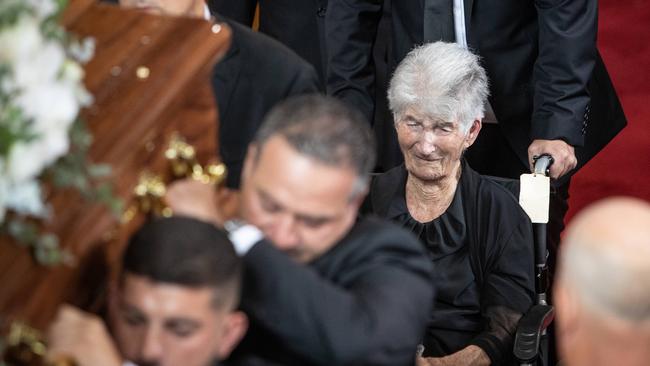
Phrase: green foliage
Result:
[73,170]
[10,12]
[14,125]
[46,247]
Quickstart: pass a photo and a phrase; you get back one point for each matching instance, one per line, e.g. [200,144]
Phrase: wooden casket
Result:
[150,78]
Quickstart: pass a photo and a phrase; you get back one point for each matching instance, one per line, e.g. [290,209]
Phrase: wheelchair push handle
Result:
[542,164]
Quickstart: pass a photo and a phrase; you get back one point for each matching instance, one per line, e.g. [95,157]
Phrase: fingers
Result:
[192,198]
[566,164]
[80,337]
[563,155]
[429,361]
[67,318]
[64,333]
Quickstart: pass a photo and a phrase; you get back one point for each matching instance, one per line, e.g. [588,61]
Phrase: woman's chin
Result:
[427,174]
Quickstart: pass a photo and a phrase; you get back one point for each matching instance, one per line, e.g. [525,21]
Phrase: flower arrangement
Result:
[43,145]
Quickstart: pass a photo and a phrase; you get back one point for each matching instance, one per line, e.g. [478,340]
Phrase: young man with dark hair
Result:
[174,303]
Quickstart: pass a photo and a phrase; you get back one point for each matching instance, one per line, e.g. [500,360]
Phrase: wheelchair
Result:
[532,343]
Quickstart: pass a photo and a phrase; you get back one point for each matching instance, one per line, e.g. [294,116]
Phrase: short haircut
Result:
[442,80]
[187,252]
[326,130]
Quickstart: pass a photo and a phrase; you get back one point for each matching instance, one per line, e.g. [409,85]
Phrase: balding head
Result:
[603,285]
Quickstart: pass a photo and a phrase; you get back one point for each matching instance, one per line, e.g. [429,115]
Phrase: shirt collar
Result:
[206,12]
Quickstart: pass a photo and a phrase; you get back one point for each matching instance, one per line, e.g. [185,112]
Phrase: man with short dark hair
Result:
[321,287]
[174,303]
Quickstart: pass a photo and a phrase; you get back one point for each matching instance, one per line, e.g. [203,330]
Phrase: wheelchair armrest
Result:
[529,332]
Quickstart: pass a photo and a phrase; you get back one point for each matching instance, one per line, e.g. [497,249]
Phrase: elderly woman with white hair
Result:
[477,235]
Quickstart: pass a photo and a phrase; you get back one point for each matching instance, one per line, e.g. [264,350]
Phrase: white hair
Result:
[442,80]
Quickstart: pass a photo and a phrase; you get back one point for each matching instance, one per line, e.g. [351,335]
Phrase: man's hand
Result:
[81,337]
[563,155]
[468,356]
[192,198]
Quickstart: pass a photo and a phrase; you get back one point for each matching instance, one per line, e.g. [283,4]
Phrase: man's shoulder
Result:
[371,249]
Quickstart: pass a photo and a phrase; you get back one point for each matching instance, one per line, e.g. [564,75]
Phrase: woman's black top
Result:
[482,249]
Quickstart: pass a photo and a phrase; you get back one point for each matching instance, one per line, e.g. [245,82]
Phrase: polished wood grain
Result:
[131,119]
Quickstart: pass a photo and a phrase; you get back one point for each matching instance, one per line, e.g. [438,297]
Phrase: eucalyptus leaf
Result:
[46,256]
[25,233]
[99,170]
[48,241]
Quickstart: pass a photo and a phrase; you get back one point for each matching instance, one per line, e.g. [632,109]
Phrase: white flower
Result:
[52,106]
[72,74]
[27,160]
[46,85]
[26,199]
[54,145]
[21,41]
[24,163]
[41,66]
[83,50]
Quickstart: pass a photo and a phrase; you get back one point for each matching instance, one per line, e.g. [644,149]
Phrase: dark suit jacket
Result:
[299,24]
[547,78]
[256,73]
[364,302]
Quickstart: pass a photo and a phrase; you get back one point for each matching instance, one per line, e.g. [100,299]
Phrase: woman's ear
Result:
[472,134]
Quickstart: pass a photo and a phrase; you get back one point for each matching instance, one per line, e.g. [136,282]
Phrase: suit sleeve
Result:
[351,29]
[378,318]
[242,11]
[305,80]
[567,55]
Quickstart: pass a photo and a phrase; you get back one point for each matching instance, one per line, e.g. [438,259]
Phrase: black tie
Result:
[439,21]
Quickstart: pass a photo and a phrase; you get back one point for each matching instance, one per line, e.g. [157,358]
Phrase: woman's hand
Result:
[468,356]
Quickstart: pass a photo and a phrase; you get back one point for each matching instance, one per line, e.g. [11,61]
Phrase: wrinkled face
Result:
[166,324]
[432,148]
[302,205]
[167,7]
